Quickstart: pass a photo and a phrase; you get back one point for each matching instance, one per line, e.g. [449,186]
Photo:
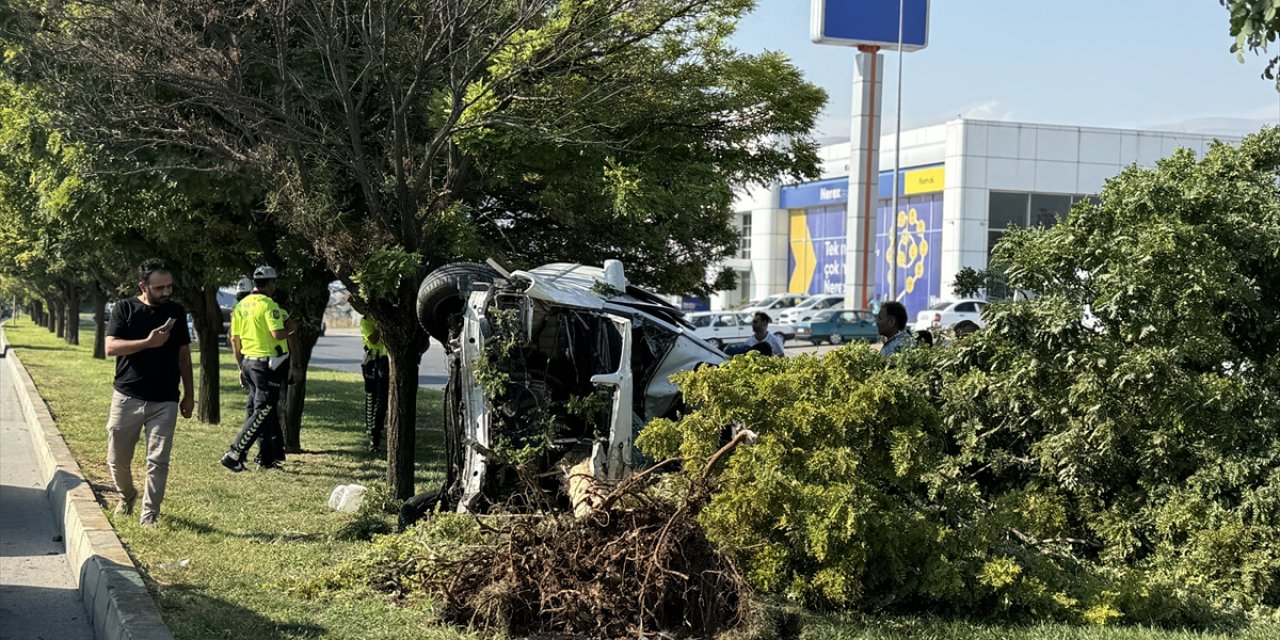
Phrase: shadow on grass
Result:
[220,618]
[28,347]
[203,528]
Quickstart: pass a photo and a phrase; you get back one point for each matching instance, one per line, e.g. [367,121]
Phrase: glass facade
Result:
[1007,209]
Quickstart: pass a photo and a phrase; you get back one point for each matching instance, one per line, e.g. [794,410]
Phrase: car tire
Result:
[715,342]
[836,339]
[443,294]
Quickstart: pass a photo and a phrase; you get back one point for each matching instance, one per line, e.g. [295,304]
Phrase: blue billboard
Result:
[870,22]
[818,242]
[919,256]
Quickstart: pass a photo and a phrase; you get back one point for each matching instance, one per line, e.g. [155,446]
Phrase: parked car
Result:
[838,326]
[774,305]
[810,306]
[722,328]
[557,368]
[946,314]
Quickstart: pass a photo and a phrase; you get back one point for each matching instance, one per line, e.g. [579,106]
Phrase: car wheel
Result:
[443,294]
[715,342]
[836,338]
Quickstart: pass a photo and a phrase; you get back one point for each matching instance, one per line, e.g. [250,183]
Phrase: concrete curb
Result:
[114,595]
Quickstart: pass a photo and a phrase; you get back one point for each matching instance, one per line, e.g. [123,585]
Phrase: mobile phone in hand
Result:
[168,324]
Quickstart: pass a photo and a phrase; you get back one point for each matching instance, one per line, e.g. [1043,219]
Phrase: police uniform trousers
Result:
[263,421]
[377,376]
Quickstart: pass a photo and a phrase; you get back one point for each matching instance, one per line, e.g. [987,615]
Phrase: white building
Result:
[962,184]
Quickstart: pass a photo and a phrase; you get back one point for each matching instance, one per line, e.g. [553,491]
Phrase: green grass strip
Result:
[250,538]
[247,536]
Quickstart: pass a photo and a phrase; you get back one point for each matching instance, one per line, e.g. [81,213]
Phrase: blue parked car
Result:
[838,326]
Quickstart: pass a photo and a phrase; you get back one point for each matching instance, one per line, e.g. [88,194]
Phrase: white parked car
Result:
[807,309]
[946,314]
[723,328]
[774,305]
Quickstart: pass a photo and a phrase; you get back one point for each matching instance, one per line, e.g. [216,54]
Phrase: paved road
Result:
[341,349]
[38,595]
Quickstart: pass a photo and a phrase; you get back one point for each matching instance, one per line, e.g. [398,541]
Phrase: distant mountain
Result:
[1216,126]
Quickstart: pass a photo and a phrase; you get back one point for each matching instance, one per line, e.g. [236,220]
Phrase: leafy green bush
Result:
[1105,451]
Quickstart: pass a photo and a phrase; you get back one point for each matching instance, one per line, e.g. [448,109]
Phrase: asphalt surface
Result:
[341,349]
[38,594]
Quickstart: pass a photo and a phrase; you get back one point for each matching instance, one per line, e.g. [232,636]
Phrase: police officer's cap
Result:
[264,273]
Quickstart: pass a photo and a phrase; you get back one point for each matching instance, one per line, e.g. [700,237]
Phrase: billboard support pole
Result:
[871,176]
[897,173]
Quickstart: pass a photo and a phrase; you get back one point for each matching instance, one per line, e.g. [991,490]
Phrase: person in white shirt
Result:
[760,336]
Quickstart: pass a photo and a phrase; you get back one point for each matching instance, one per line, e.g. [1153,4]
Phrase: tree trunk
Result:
[306,303]
[36,311]
[207,318]
[73,315]
[295,394]
[60,319]
[403,336]
[99,323]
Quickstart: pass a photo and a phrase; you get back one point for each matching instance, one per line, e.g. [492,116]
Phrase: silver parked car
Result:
[551,368]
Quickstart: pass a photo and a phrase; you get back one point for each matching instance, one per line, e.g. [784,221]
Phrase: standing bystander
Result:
[891,322]
[376,370]
[760,340]
[149,339]
[261,349]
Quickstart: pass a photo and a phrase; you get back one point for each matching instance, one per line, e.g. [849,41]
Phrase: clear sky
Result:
[1109,63]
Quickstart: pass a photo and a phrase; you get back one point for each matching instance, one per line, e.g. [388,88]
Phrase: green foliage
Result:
[828,505]
[371,518]
[383,272]
[1105,451]
[1254,25]
[400,562]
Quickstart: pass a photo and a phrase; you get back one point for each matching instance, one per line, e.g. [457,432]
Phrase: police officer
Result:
[260,346]
[376,369]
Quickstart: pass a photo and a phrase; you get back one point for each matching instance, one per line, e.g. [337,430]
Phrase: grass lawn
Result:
[248,536]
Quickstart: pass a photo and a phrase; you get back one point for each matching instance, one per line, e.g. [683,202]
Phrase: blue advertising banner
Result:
[919,256]
[690,304]
[870,22]
[810,194]
[818,244]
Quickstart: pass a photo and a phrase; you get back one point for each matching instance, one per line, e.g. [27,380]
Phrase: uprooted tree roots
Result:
[632,564]
[620,572]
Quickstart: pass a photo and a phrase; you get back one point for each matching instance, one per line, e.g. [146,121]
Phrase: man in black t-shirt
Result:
[148,335]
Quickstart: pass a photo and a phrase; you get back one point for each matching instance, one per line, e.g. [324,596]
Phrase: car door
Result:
[964,311]
[744,327]
[864,326]
[724,327]
[844,324]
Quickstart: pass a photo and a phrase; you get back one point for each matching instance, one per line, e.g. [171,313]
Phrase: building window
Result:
[1005,210]
[744,236]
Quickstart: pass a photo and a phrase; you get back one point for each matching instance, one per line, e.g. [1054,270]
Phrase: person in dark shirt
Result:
[149,339]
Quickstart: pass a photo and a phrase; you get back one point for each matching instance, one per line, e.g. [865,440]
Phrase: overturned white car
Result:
[552,372]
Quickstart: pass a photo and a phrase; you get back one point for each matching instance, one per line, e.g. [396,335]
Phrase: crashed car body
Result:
[549,366]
